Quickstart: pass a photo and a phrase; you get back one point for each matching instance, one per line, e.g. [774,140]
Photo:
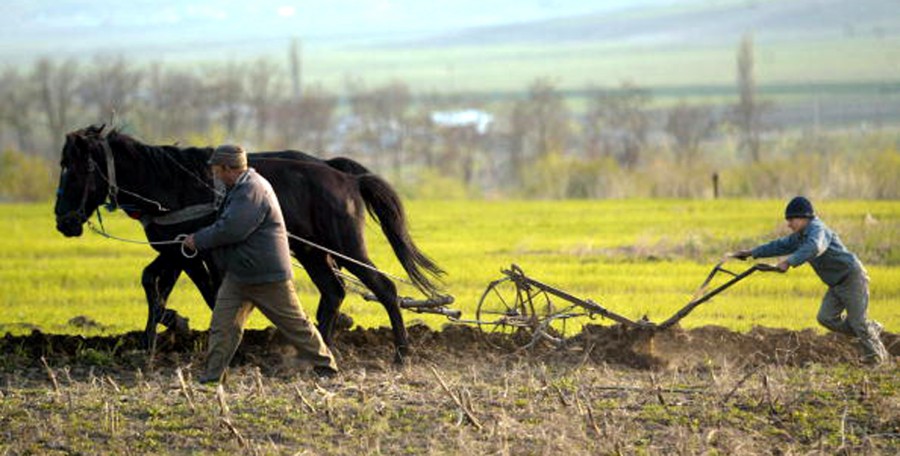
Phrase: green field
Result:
[634,257]
[860,67]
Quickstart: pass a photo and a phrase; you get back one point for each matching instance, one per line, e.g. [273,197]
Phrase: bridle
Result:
[113,189]
[89,182]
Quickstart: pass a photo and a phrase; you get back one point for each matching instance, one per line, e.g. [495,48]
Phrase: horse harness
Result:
[185,214]
[182,215]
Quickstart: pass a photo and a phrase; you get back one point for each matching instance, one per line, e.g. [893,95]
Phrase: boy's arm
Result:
[814,245]
[778,247]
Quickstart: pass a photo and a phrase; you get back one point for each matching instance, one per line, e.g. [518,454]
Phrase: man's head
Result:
[228,162]
[798,213]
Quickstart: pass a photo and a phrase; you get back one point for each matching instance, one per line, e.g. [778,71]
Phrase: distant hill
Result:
[697,23]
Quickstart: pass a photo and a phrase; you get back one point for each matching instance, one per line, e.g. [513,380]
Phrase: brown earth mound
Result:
[616,345]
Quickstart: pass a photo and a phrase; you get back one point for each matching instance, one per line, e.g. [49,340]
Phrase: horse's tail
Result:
[347,165]
[384,205]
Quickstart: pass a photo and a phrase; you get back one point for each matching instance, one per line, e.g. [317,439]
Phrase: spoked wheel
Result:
[510,306]
[504,307]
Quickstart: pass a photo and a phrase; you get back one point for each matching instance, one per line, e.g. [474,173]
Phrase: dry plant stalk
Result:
[303,399]
[223,405]
[468,413]
[185,390]
[113,384]
[51,374]
[112,417]
[257,376]
[228,425]
[588,413]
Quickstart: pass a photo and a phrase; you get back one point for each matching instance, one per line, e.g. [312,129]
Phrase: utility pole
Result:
[296,60]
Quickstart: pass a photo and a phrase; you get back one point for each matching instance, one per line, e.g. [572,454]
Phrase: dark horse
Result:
[171,191]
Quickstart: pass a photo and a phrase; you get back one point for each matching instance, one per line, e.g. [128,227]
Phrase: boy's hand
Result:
[783,265]
[742,254]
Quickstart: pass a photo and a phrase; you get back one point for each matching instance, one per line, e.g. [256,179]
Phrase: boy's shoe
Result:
[875,328]
[873,360]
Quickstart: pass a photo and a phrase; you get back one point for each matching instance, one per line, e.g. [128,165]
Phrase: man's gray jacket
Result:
[249,237]
[820,246]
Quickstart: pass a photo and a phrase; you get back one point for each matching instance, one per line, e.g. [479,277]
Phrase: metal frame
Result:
[523,314]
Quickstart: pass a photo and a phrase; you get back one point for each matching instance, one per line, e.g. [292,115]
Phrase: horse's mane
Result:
[179,172]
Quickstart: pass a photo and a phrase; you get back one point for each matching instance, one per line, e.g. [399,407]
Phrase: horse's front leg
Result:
[158,280]
[206,278]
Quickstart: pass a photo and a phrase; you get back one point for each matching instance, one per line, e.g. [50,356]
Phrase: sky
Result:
[45,26]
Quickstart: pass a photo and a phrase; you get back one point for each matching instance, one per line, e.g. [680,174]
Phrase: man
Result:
[848,283]
[249,243]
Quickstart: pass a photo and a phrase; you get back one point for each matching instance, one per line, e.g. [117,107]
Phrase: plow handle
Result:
[709,295]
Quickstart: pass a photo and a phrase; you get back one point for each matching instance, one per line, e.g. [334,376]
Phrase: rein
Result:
[178,239]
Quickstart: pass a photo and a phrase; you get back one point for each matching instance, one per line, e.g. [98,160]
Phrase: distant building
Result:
[474,118]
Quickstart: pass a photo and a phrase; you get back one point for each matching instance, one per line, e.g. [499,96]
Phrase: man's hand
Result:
[742,254]
[189,242]
[783,265]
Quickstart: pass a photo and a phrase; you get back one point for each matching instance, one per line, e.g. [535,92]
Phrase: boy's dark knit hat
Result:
[799,207]
[229,155]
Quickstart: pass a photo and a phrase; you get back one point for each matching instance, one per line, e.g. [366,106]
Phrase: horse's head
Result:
[81,188]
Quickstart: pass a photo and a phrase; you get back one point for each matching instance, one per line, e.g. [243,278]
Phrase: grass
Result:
[634,257]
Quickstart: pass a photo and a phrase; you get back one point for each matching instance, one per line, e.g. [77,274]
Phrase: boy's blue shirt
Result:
[818,245]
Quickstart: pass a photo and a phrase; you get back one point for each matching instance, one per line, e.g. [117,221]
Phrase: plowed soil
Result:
[612,345]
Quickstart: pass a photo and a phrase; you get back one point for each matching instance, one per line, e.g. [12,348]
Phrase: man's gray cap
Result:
[229,155]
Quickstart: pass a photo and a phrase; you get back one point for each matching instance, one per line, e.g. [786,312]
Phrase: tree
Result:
[689,125]
[177,103]
[15,107]
[227,94]
[748,111]
[549,116]
[263,85]
[617,123]
[56,89]
[110,86]
[519,126]
[381,119]
[315,115]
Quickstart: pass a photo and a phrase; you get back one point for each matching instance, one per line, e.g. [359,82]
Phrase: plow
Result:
[519,303]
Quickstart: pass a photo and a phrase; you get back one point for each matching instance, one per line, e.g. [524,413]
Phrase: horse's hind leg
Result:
[158,279]
[386,293]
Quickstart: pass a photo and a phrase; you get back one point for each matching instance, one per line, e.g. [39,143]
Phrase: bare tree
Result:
[177,102]
[56,89]
[520,124]
[227,94]
[381,118]
[15,107]
[550,117]
[689,125]
[263,85]
[316,115]
[618,123]
[748,111]
[110,86]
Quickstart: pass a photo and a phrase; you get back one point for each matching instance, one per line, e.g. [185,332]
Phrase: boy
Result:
[848,283]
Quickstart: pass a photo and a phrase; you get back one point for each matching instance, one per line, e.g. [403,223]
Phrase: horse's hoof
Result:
[181,326]
[401,356]
[343,322]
